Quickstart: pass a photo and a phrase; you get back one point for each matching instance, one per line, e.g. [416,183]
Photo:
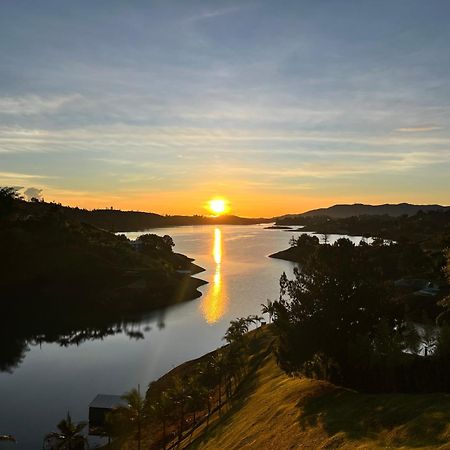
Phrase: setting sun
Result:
[217,206]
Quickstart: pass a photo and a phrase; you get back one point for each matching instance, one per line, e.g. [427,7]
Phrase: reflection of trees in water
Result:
[12,352]
[20,331]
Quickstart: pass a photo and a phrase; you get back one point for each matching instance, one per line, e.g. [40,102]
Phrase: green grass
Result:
[274,411]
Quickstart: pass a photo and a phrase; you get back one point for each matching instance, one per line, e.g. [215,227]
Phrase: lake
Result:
[53,379]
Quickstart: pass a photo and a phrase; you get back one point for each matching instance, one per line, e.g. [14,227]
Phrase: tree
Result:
[69,434]
[444,317]
[162,409]
[334,298]
[133,415]
[180,396]
[269,309]
[236,331]
[207,377]
[152,243]
[197,395]
[8,196]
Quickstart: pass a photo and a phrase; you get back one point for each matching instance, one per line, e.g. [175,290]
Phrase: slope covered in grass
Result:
[274,411]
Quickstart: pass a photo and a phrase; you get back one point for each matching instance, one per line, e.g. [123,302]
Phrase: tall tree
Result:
[69,434]
[334,298]
[134,413]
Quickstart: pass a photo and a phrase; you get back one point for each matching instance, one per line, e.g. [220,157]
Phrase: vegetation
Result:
[343,303]
[430,230]
[68,437]
[68,281]
[270,409]
[358,209]
[273,410]
[184,400]
[116,220]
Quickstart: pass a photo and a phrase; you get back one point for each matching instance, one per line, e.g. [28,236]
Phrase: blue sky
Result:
[278,106]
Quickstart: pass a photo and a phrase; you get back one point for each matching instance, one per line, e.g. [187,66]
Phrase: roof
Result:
[105,401]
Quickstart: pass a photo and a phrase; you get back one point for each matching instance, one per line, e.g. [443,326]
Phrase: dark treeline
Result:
[117,220]
[343,319]
[431,227]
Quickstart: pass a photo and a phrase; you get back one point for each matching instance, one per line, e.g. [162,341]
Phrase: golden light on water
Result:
[217,252]
[214,303]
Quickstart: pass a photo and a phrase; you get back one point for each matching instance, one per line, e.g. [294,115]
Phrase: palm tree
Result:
[233,368]
[180,397]
[196,397]
[217,362]
[207,374]
[162,409]
[237,329]
[69,434]
[134,413]
[268,308]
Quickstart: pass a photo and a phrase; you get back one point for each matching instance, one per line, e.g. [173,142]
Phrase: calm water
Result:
[52,379]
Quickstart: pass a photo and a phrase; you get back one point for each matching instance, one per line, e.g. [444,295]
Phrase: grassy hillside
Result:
[274,411]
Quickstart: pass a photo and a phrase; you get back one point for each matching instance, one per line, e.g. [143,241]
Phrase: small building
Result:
[99,407]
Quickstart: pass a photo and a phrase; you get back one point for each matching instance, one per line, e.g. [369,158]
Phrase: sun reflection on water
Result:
[214,303]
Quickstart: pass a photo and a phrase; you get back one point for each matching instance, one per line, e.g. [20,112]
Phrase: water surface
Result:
[53,379]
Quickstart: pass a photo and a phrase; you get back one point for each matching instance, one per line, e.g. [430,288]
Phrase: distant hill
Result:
[359,209]
[117,220]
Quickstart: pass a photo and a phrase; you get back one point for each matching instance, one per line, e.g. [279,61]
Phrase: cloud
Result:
[418,129]
[34,104]
[23,176]
[214,13]
[32,192]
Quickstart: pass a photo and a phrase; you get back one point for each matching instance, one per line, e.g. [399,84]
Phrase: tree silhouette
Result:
[8,196]
[269,309]
[162,410]
[133,415]
[69,434]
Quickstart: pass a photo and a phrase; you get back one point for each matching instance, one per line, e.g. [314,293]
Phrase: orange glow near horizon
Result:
[217,206]
[214,303]
[246,203]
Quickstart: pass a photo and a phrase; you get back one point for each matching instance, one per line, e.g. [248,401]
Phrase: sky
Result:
[277,106]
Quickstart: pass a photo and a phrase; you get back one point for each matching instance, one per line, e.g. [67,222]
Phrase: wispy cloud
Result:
[210,14]
[23,176]
[34,104]
[418,129]
[189,97]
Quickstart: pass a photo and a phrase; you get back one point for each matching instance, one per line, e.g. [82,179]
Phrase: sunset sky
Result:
[277,106]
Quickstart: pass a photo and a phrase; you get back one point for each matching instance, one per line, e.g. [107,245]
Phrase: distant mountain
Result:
[359,209]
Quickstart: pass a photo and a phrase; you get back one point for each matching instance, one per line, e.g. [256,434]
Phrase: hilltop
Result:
[118,220]
[359,209]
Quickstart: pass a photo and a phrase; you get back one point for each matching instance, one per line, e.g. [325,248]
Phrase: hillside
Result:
[117,220]
[274,411]
[67,281]
[358,209]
